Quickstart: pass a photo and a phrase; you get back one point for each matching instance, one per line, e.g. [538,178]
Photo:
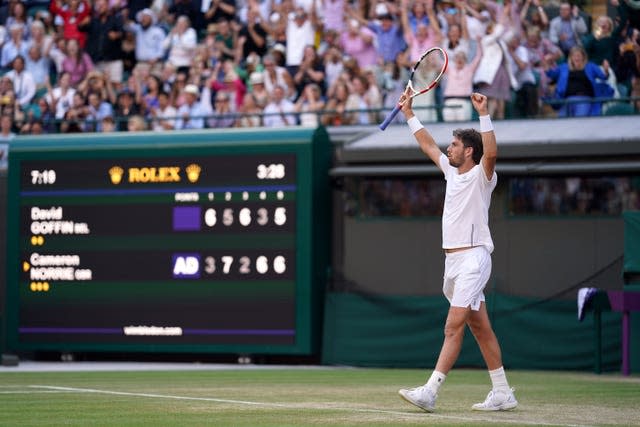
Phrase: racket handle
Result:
[390,117]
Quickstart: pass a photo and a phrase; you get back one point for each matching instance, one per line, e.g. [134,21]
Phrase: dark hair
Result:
[471,138]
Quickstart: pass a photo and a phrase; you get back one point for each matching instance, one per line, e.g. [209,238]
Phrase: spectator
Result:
[184,8]
[252,38]
[106,34]
[40,39]
[567,29]
[39,66]
[23,84]
[534,17]
[97,109]
[149,99]
[389,35]
[359,102]
[75,116]
[275,75]
[542,55]
[215,10]
[149,38]
[526,102]
[250,112]
[425,36]
[191,114]
[301,29]
[310,70]
[225,39]
[478,18]
[333,65]
[18,15]
[181,44]
[60,98]
[76,62]
[14,47]
[395,78]
[457,38]
[164,115]
[223,114]
[333,15]
[258,89]
[359,43]
[278,111]
[125,108]
[493,76]
[310,105]
[459,87]
[417,14]
[108,124]
[577,81]
[75,14]
[136,123]
[334,114]
[231,83]
[6,135]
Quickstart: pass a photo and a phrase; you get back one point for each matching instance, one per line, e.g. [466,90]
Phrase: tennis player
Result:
[469,169]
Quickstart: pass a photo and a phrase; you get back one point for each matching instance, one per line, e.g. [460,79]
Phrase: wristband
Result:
[414,124]
[485,124]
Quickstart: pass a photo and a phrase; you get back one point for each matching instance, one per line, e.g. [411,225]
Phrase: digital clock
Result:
[196,242]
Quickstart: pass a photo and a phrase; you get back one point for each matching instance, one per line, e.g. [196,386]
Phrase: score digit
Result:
[43,177]
[272,171]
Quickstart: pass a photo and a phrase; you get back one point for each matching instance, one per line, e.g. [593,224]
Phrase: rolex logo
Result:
[116,173]
[193,172]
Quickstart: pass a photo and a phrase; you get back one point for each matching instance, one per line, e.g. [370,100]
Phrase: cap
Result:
[146,11]
[279,47]
[381,9]
[256,78]
[192,89]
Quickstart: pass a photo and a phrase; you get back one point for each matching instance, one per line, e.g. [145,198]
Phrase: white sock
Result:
[436,380]
[499,379]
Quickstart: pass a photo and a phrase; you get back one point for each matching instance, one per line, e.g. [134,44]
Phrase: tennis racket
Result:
[422,78]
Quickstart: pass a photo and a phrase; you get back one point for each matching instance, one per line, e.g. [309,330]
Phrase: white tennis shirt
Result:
[465,220]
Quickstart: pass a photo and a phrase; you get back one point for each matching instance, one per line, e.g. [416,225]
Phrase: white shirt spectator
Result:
[300,33]
[149,37]
[276,113]
[23,85]
[181,43]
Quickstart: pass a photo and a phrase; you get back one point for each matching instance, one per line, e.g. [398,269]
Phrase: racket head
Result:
[428,71]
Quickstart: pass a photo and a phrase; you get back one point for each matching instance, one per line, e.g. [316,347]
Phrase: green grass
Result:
[302,397]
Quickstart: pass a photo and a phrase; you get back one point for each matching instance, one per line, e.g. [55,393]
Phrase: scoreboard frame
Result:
[312,151]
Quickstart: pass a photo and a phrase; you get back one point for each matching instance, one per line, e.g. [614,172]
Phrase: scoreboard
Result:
[178,242]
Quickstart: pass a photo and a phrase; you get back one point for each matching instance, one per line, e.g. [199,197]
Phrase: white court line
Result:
[31,391]
[309,407]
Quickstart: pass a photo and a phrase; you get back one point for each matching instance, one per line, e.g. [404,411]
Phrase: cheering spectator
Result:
[39,66]
[75,14]
[278,111]
[76,62]
[389,35]
[223,114]
[310,105]
[191,113]
[14,47]
[97,109]
[567,29]
[526,89]
[18,15]
[6,135]
[149,38]
[23,84]
[251,113]
[542,55]
[163,116]
[424,36]
[578,81]
[181,44]
[215,10]
[359,43]
[258,89]
[106,34]
[252,38]
[534,17]
[459,87]
[136,124]
[275,75]
[311,70]
[333,15]
[60,98]
[301,29]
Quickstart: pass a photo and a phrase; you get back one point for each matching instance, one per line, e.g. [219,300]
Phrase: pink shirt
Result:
[460,81]
[364,53]
[417,47]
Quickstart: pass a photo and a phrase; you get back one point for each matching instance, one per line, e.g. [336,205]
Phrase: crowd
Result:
[132,65]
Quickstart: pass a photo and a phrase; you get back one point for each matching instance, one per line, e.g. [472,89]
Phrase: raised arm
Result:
[425,140]
[489,145]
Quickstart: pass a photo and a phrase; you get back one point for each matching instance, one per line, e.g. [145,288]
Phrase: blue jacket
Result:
[601,89]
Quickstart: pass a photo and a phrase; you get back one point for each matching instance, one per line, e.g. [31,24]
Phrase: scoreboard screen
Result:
[194,243]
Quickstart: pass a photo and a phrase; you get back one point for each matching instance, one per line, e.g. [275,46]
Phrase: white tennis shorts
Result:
[466,273]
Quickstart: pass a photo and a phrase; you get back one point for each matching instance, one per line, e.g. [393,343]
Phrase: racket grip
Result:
[390,117]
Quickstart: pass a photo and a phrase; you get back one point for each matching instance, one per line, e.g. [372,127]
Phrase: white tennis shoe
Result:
[422,397]
[497,400]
